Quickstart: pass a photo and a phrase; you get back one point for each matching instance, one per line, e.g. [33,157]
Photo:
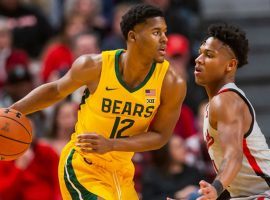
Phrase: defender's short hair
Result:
[234,37]
[138,14]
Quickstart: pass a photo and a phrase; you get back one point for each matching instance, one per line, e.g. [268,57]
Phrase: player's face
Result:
[151,39]
[211,64]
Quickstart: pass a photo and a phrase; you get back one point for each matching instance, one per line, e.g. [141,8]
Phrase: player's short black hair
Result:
[232,36]
[138,14]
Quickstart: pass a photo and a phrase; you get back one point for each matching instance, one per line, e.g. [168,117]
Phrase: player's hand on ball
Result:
[207,191]
[94,143]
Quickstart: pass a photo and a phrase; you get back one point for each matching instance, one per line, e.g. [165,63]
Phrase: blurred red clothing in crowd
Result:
[57,58]
[185,126]
[10,60]
[38,181]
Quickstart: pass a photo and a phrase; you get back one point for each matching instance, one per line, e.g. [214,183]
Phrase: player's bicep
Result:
[230,132]
[229,123]
[66,85]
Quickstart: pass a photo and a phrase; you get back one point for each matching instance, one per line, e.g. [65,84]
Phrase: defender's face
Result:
[214,57]
[151,39]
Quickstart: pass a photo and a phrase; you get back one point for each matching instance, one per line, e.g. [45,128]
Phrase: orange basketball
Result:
[15,134]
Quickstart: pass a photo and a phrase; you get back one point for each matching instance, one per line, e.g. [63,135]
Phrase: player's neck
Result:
[213,88]
[133,69]
[135,62]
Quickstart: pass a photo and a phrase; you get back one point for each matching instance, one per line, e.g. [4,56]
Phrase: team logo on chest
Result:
[150,96]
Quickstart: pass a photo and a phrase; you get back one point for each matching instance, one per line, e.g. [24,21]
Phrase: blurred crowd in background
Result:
[39,40]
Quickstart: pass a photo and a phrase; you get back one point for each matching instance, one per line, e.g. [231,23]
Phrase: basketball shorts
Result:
[83,179]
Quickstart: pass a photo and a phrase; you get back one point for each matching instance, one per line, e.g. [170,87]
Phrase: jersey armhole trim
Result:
[249,107]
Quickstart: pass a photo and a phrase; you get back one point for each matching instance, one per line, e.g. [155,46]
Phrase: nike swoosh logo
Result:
[109,89]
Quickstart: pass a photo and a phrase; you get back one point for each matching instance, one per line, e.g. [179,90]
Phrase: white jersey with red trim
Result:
[253,178]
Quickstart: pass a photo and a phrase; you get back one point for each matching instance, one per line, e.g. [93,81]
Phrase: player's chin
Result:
[160,59]
[199,81]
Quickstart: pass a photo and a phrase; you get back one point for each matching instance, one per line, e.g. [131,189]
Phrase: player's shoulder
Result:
[173,84]
[172,79]
[226,98]
[95,60]
[226,101]
[88,61]
[86,68]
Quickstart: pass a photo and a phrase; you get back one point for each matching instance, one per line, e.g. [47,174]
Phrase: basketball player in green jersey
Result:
[126,90]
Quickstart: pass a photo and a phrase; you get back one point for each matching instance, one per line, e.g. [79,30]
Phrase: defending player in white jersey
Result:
[235,143]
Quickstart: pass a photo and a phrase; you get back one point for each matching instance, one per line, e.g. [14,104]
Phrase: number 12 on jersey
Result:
[116,132]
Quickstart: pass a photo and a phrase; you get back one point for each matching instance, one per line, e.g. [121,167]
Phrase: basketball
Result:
[15,134]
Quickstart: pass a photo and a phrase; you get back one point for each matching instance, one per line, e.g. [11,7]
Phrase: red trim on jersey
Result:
[224,90]
[260,198]
[209,140]
[214,165]
[252,161]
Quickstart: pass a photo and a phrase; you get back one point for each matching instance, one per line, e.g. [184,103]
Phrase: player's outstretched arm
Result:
[84,71]
[226,116]
[172,95]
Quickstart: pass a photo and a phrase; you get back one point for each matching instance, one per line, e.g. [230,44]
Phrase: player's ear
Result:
[232,65]
[132,36]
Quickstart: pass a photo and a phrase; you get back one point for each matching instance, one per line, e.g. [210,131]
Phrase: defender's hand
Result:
[94,143]
[207,191]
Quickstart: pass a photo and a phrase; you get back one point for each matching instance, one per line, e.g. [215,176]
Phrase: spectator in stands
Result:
[141,161]
[115,39]
[17,85]
[32,176]
[19,82]
[85,43]
[170,176]
[180,16]
[124,1]
[58,56]
[30,28]
[203,162]
[91,10]
[107,10]
[53,10]
[9,56]
[64,119]
[178,54]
